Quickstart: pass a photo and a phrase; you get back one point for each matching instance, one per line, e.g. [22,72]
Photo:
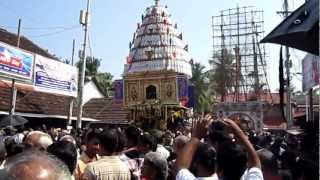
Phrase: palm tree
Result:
[103,79]
[200,83]
[105,82]
[92,66]
[222,73]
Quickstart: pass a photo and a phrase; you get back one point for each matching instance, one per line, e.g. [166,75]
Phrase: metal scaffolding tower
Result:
[237,33]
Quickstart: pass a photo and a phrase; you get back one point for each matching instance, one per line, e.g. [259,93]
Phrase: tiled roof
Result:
[106,110]
[25,43]
[103,109]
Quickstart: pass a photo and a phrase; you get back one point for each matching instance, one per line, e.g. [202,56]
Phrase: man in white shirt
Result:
[253,171]
[163,151]
[202,155]
[18,138]
[231,156]
[204,161]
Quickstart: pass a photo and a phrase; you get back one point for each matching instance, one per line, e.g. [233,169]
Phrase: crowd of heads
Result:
[48,154]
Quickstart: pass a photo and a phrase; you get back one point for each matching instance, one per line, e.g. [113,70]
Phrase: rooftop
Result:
[26,44]
[48,105]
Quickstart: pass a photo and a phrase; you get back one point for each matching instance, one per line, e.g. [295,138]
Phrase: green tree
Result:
[105,82]
[222,73]
[92,66]
[103,79]
[200,82]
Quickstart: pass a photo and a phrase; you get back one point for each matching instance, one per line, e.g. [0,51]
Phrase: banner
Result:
[190,96]
[310,72]
[55,77]
[16,62]
[182,82]
[118,88]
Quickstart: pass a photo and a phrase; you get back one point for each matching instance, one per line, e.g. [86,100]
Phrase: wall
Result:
[135,88]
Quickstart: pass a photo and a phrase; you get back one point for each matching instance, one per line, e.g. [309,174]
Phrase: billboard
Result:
[15,62]
[55,77]
[310,72]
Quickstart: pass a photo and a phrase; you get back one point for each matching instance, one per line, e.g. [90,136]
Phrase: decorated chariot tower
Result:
[155,78]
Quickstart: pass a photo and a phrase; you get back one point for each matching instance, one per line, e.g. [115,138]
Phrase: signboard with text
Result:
[15,62]
[55,77]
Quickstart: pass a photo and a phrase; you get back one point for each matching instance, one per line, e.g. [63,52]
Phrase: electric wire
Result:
[56,32]
[89,45]
[40,28]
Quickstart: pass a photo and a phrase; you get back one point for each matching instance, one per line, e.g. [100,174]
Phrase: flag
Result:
[186,47]
[281,83]
[129,60]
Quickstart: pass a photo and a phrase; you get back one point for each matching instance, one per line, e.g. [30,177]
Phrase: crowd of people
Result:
[212,149]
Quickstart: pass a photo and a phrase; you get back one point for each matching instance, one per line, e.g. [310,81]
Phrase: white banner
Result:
[55,77]
[310,72]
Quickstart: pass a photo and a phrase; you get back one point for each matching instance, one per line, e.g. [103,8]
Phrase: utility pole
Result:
[71,98]
[288,66]
[307,106]
[19,28]
[73,46]
[311,113]
[13,81]
[84,21]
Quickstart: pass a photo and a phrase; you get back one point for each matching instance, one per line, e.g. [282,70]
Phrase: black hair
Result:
[217,133]
[148,139]
[231,160]
[109,140]
[20,129]
[8,131]
[206,157]
[13,148]
[66,152]
[133,134]
[91,134]
[121,141]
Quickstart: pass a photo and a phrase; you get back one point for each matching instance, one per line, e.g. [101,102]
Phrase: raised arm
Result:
[199,131]
[253,158]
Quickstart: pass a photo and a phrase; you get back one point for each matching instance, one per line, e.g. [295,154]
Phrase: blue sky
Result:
[54,24]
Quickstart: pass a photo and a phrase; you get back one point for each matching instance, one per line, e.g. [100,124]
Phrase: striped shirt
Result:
[107,168]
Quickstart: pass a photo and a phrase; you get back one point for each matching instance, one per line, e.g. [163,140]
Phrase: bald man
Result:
[35,165]
[38,140]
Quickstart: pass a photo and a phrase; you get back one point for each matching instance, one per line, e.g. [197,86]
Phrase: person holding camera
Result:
[231,159]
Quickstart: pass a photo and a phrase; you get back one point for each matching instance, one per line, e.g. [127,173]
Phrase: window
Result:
[151,92]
